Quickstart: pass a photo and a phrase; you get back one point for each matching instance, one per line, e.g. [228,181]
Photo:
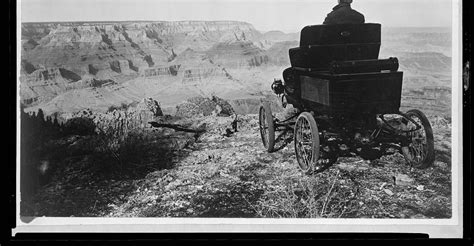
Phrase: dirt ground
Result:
[219,176]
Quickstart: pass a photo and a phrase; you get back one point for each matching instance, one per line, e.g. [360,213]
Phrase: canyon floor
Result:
[218,176]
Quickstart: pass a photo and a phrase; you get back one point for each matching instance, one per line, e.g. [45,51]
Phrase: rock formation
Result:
[201,106]
[69,66]
[55,54]
[149,105]
[120,121]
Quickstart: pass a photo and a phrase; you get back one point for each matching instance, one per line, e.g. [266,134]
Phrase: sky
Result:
[264,15]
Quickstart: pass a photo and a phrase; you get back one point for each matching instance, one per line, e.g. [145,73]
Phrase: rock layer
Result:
[198,53]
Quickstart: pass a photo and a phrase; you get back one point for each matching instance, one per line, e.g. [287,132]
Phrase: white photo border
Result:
[435,228]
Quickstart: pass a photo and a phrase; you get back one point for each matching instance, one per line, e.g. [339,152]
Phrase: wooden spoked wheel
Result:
[306,138]
[420,151]
[267,127]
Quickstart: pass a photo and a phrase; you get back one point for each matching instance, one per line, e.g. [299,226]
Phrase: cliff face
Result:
[72,65]
[238,54]
[145,43]
[58,57]
[425,62]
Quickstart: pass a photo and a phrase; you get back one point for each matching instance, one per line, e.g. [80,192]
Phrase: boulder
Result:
[201,106]
[224,108]
[151,105]
[147,110]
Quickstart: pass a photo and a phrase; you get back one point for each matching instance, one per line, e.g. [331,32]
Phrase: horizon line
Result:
[122,21]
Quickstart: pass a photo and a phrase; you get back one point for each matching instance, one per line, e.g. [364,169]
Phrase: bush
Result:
[80,126]
[130,152]
[123,146]
[123,106]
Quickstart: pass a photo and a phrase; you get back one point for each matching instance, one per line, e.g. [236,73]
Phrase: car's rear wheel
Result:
[307,145]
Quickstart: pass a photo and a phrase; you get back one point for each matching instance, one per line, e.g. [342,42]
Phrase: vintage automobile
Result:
[347,101]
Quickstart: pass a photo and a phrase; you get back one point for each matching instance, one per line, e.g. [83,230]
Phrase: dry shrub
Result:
[126,145]
[80,126]
[118,153]
[321,196]
[120,144]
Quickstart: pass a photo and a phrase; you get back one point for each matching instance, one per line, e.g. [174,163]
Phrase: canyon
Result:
[103,82]
[70,66]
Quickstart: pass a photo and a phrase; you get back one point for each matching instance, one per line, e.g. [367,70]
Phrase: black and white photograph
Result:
[239,115]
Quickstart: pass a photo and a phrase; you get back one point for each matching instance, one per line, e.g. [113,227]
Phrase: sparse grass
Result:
[167,174]
[327,196]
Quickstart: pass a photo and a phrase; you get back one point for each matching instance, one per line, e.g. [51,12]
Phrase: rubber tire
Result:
[265,109]
[315,142]
[430,156]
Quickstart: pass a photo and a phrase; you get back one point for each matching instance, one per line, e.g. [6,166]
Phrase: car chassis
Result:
[345,105]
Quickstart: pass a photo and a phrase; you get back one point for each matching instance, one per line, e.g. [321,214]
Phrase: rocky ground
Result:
[212,175]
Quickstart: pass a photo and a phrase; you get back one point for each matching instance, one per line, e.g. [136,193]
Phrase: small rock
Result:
[403,180]
[420,187]
[440,164]
[418,216]
[353,166]
[388,192]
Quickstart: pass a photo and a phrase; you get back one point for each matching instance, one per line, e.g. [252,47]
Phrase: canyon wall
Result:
[59,57]
[74,65]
